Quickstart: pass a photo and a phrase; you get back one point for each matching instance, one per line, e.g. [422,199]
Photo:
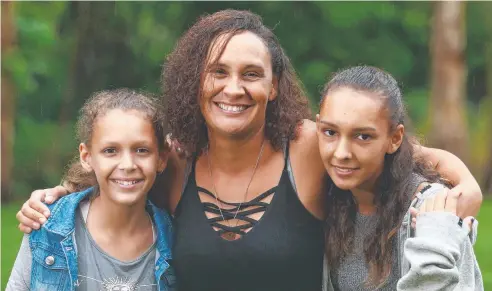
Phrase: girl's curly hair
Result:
[76,177]
[184,71]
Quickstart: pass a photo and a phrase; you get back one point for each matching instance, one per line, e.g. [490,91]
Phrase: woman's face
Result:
[354,136]
[236,89]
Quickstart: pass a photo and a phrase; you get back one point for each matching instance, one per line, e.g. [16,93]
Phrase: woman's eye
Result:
[364,137]
[219,72]
[109,151]
[329,132]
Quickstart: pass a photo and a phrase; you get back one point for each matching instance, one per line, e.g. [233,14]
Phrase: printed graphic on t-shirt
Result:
[113,284]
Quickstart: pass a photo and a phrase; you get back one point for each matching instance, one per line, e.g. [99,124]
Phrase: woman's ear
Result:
[85,157]
[396,139]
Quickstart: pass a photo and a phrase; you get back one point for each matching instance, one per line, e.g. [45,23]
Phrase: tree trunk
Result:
[8,103]
[487,178]
[448,106]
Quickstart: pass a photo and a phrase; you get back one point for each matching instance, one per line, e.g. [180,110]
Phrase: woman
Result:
[248,204]
[370,159]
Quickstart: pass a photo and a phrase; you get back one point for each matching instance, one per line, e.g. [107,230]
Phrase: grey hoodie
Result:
[437,256]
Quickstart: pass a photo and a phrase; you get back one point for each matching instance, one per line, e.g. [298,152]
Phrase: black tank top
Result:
[283,251]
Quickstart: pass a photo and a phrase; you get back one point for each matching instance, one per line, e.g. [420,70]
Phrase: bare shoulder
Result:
[167,189]
[307,166]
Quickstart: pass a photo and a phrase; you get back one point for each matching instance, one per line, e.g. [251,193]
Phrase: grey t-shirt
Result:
[354,270]
[99,271]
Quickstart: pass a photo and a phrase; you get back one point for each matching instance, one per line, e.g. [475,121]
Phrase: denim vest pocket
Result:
[49,269]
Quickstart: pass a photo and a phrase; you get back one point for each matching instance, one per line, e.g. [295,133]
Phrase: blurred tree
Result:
[448,88]
[487,103]
[8,101]
[67,50]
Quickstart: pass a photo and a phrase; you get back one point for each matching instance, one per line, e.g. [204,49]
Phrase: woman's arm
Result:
[441,255]
[452,168]
[20,278]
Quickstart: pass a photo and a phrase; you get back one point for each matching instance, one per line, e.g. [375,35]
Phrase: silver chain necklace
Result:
[229,235]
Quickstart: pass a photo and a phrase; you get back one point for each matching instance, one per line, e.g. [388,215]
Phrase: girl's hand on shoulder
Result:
[34,212]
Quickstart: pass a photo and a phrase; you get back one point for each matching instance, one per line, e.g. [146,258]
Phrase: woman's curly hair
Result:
[183,75]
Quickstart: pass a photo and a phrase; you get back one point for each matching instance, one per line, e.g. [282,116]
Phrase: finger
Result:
[39,210]
[414,223]
[469,221]
[24,229]
[423,207]
[30,213]
[440,200]
[414,212]
[26,222]
[452,201]
[54,194]
[429,205]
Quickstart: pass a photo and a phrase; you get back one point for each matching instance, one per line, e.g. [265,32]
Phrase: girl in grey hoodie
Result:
[379,181]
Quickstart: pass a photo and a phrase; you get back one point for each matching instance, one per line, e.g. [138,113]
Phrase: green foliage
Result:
[68,50]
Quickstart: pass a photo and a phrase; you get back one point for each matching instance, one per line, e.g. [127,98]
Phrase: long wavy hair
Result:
[184,71]
[394,188]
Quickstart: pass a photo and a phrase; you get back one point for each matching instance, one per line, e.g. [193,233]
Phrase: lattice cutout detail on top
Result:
[243,222]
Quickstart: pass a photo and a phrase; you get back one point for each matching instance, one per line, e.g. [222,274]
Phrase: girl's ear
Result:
[396,139]
[85,157]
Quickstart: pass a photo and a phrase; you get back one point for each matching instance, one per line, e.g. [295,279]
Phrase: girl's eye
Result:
[142,150]
[329,132]
[364,137]
[252,75]
[109,151]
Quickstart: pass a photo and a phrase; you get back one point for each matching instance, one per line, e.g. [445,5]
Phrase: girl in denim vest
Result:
[370,159]
[110,236]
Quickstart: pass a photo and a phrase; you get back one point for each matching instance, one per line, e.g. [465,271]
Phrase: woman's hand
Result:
[444,201]
[34,212]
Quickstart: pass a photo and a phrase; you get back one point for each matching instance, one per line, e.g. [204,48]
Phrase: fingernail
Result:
[46,213]
[48,199]
[35,225]
[42,219]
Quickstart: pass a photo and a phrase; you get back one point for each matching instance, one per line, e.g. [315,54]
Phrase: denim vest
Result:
[54,251]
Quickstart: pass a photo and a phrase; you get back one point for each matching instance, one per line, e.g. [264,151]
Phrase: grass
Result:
[11,238]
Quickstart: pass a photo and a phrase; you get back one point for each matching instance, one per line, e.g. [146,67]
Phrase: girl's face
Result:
[236,89]
[124,155]
[354,136]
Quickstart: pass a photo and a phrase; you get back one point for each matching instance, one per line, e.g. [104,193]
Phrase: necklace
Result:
[229,235]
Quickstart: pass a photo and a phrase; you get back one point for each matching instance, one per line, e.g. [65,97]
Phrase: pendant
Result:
[229,236]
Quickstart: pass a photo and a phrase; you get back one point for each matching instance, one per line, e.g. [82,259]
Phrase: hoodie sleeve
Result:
[441,255]
[20,278]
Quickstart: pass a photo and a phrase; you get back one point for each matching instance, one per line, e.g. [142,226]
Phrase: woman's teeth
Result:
[232,108]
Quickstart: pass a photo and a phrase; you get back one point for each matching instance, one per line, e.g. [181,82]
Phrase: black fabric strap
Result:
[255,205]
